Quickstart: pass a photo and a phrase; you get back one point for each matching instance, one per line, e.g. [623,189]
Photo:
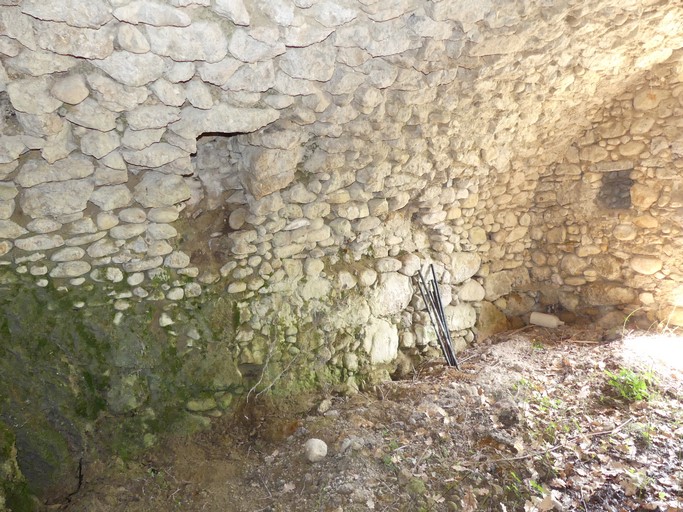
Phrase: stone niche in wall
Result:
[612,211]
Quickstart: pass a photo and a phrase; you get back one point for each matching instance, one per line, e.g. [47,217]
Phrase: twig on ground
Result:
[559,445]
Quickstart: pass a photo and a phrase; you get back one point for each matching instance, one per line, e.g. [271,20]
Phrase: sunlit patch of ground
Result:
[663,352]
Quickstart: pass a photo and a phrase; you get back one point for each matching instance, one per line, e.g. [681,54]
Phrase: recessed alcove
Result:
[615,190]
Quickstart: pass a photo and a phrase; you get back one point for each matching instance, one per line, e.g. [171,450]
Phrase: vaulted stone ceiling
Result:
[368,127]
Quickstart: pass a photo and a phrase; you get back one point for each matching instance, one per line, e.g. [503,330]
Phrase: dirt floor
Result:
[531,423]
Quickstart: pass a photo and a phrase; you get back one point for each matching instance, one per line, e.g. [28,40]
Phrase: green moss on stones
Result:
[14,491]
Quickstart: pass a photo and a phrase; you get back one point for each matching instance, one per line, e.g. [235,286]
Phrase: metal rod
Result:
[424,291]
[442,314]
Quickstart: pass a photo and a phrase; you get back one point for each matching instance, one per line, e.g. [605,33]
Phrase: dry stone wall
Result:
[608,217]
[207,198]
[292,150]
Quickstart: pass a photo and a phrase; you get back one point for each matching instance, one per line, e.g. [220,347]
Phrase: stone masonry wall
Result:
[210,196]
[609,216]
[359,127]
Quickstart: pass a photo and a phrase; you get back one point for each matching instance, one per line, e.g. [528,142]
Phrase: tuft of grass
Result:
[631,386]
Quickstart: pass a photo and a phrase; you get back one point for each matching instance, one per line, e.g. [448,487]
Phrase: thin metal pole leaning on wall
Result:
[432,299]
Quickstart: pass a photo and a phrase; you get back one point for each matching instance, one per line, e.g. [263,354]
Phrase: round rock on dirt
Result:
[315,449]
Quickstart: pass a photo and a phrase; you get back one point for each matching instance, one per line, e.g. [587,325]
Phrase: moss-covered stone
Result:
[14,492]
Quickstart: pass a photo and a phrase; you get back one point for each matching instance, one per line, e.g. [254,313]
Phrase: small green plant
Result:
[522,384]
[631,386]
[537,345]
[538,488]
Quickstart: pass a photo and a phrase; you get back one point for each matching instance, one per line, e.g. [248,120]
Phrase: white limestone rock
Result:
[643,196]
[331,14]
[257,77]
[156,155]
[268,170]
[7,208]
[106,220]
[43,226]
[177,72]
[646,265]
[315,450]
[32,95]
[71,89]
[8,190]
[279,11]
[199,94]
[38,63]
[234,10]
[464,265]
[497,285]
[114,96]
[203,40]
[111,198]
[5,246]
[461,316]
[10,148]
[175,294]
[56,199]
[99,144]
[84,225]
[14,24]
[163,215]
[649,98]
[12,230]
[39,242]
[70,269]
[85,239]
[161,231]
[392,295]
[37,171]
[133,215]
[472,291]
[218,73]
[91,14]
[132,39]
[90,114]
[157,189]
[315,289]
[467,12]
[380,341]
[152,116]
[168,93]
[107,176]
[127,231]
[152,13]
[102,248]
[222,118]
[59,145]
[315,62]
[132,69]
[68,254]
[141,139]
[9,46]
[247,49]
[79,42]
[177,259]
[306,34]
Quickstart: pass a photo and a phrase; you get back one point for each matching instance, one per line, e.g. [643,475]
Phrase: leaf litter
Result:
[530,424]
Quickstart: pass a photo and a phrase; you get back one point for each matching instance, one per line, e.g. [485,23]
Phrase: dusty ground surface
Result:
[530,423]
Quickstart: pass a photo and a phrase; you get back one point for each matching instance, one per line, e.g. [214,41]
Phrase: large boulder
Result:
[381,341]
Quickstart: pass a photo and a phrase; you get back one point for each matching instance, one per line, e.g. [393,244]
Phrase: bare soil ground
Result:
[531,423]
